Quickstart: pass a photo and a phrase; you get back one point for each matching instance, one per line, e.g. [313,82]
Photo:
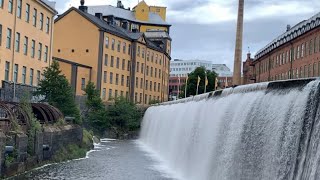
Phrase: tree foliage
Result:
[96,115]
[193,80]
[124,115]
[56,90]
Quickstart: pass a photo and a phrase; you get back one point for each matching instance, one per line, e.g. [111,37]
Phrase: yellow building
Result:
[26,28]
[120,62]
[141,18]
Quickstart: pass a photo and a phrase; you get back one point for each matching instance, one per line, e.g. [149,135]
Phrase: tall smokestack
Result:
[238,49]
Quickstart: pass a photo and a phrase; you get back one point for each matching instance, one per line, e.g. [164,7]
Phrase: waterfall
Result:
[261,131]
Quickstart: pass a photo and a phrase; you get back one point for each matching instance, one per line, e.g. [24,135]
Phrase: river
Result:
[110,160]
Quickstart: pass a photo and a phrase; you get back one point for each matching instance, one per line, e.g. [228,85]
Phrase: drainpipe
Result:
[13,49]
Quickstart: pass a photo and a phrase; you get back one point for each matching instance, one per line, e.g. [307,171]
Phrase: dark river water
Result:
[110,160]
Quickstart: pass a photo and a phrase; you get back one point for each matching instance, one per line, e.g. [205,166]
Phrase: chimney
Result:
[119,4]
[83,7]
[238,49]
[99,15]
[288,27]
[248,56]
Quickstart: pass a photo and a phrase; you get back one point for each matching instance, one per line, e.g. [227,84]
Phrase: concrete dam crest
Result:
[260,131]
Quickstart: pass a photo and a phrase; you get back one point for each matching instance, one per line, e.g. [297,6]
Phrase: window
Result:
[159,73]
[6,71]
[112,61]
[104,93]
[145,99]
[310,47]
[46,54]
[110,94]
[152,57]
[142,66]
[25,46]
[105,76]
[123,64]
[128,67]
[155,72]
[141,83]
[27,12]
[140,99]
[129,49]
[117,79]
[127,94]
[1,3]
[315,45]
[135,97]
[124,47]
[158,87]
[31,77]
[10,6]
[314,72]
[128,81]
[24,73]
[150,86]
[9,33]
[106,59]
[156,58]
[302,50]
[0,33]
[118,63]
[111,78]
[155,87]
[33,48]
[38,77]
[107,42]
[113,44]
[151,71]
[138,50]
[146,85]
[17,44]
[137,82]
[148,55]
[41,21]
[15,73]
[48,25]
[121,94]
[119,46]
[137,66]
[116,93]
[19,3]
[147,71]
[34,17]
[122,80]
[142,52]
[40,51]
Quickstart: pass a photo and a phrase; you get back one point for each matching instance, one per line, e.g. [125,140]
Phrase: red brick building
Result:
[294,54]
[175,86]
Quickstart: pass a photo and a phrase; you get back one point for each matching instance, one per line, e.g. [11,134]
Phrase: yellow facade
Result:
[141,11]
[161,11]
[25,40]
[112,58]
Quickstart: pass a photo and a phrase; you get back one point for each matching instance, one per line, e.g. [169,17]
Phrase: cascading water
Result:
[261,131]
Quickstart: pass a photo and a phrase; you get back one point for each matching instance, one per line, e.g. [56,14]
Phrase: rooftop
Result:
[107,10]
[296,31]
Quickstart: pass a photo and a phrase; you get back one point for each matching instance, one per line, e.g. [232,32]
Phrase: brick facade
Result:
[293,55]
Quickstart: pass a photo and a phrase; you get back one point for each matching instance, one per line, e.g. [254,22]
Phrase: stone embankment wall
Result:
[14,155]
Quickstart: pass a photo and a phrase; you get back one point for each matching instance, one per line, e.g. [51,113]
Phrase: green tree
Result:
[193,80]
[57,91]
[96,114]
[124,115]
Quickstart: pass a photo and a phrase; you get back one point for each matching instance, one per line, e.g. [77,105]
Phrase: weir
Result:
[260,131]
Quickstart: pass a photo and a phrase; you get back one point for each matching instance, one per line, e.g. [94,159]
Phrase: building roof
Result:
[107,10]
[51,5]
[293,33]
[113,29]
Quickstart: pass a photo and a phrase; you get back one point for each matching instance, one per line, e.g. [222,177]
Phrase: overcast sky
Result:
[205,29]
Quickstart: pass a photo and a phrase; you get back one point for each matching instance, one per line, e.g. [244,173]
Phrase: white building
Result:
[181,68]
[222,70]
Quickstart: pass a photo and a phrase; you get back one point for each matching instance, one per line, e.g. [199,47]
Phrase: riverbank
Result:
[55,144]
